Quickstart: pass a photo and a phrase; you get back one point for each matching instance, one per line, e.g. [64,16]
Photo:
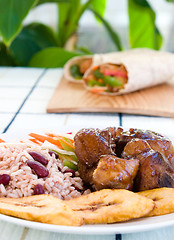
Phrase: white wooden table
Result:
[24,95]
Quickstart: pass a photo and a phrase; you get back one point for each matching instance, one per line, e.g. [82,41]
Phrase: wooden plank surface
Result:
[71,97]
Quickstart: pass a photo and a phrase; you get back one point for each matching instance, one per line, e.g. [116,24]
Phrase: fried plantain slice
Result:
[40,208]
[110,206]
[163,198]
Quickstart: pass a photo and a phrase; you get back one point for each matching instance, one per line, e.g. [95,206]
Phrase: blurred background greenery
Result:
[26,42]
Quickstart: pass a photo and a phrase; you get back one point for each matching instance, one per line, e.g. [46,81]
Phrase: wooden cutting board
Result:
[73,97]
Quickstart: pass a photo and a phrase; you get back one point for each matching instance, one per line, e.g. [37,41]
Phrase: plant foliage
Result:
[142,29]
[12,13]
[38,45]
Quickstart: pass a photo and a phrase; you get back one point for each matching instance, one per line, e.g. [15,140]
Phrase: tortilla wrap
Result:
[96,59]
[145,68]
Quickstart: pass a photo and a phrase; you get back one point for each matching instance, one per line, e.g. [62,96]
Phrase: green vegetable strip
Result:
[65,147]
[98,74]
[93,83]
[75,71]
[70,161]
[67,139]
[111,81]
[70,165]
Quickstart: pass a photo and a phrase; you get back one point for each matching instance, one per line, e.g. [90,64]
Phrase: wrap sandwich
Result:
[129,71]
[76,67]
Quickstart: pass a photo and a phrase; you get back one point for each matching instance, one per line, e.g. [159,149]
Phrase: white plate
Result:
[137,225]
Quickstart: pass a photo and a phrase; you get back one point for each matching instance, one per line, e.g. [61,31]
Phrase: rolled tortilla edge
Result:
[74,60]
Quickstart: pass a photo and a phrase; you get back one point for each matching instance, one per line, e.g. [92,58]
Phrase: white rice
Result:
[13,159]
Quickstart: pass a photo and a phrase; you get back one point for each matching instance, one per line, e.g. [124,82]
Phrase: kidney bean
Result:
[38,168]
[39,189]
[4,179]
[59,169]
[56,154]
[39,158]
[76,188]
[70,171]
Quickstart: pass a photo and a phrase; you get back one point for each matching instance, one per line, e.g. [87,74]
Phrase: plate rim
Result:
[102,229]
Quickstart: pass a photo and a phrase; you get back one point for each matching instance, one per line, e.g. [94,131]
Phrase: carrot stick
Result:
[65,142]
[50,134]
[100,80]
[38,137]
[34,141]
[56,136]
[96,90]
[1,141]
[42,139]
[95,68]
[53,135]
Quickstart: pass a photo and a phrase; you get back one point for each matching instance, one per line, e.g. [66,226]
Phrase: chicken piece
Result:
[110,134]
[154,152]
[156,141]
[115,173]
[85,65]
[165,147]
[135,147]
[86,173]
[90,144]
[122,138]
[154,170]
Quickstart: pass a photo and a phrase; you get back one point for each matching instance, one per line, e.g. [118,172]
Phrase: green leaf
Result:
[5,56]
[12,13]
[84,50]
[69,16]
[63,13]
[172,1]
[31,40]
[51,58]
[142,3]
[99,6]
[114,36]
[158,39]
[142,29]
[50,1]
